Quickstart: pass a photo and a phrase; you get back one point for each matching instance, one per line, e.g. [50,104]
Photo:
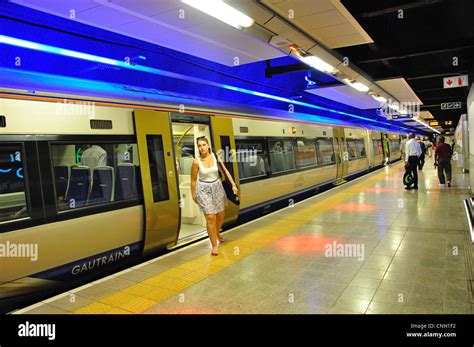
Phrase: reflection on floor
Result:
[368,246]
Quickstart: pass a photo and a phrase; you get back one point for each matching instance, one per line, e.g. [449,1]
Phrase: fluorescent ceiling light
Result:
[317,63]
[379,98]
[394,106]
[221,11]
[356,85]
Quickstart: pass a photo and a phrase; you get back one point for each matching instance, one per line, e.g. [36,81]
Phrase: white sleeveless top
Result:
[208,174]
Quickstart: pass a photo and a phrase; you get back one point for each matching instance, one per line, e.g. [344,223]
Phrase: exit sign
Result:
[448,122]
[451,105]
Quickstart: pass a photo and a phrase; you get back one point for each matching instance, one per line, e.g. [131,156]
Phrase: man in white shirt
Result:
[412,155]
[94,156]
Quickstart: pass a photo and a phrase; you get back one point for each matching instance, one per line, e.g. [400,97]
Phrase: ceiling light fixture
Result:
[356,85]
[317,63]
[223,12]
[379,98]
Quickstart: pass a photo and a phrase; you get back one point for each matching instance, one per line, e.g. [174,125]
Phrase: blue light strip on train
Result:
[90,57]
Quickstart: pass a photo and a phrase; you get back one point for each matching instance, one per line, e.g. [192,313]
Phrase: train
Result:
[96,176]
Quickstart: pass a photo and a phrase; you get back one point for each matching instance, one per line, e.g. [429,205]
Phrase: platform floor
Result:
[408,256]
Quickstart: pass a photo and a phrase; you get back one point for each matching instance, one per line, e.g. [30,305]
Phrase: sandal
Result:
[214,253]
[220,238]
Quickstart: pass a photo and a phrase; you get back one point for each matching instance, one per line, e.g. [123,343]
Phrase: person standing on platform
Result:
[413,153]
[421,161]
[207,190]
[443,153]
[429,146]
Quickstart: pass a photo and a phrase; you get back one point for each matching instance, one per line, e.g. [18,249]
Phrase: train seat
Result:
[256,166]
[277,161]
[125,182]
[61,179]
[102,185]
[78,189]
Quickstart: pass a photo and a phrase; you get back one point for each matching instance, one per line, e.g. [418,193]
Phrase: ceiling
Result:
[421,41]
[168,23]
[401,47]
[326,20]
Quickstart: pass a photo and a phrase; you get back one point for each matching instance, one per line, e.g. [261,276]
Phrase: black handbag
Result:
[227,185]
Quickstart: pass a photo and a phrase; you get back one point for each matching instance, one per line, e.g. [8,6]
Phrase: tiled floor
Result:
[393,251]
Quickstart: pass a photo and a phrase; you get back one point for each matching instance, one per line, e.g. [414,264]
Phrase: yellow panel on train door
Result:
[342,156]
[158,173]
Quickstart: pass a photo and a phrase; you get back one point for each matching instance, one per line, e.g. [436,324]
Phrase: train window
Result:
[12,184]
[250,156]
[88,174]
[377,146]
[156,158]
[306,153]
[325,151]
[356,149]
[394,145]
[282,155]
[360,145]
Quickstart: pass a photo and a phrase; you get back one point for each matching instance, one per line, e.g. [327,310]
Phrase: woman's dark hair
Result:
[203,138]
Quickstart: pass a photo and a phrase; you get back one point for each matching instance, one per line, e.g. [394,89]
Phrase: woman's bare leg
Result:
[211,230]
[219,220]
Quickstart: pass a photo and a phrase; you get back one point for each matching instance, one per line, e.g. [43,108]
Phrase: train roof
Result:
[34,84]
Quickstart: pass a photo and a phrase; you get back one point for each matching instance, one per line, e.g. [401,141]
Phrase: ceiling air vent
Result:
[3,122]
[101,124]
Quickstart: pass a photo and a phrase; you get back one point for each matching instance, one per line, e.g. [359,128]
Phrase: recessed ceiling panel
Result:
[400,89]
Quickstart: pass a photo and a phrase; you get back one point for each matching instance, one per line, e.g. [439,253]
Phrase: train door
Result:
[186,129]
[342,156]
[224,142]
[158,173]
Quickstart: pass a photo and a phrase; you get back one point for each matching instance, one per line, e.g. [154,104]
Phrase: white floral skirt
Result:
[211,196]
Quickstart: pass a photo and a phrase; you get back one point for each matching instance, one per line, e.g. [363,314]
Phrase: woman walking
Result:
[207,190]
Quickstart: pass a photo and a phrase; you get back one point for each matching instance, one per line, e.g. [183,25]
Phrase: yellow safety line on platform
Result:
[142,296]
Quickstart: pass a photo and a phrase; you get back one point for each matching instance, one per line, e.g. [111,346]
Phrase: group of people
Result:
[414,150]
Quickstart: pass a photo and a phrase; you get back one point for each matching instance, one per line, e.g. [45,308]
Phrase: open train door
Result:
[342,157]
[224,144]
[158,173]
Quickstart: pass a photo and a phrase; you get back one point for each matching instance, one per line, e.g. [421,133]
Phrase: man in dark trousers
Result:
[421,161]
[443,154]
[413,153]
